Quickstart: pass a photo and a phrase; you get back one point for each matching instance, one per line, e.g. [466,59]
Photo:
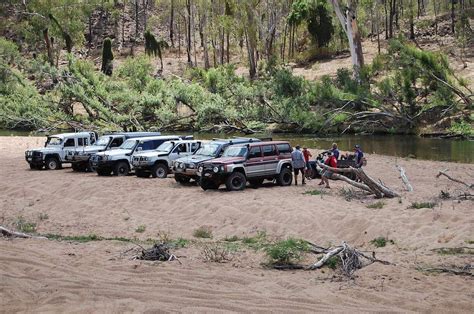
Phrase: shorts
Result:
[296,170]
[327,173]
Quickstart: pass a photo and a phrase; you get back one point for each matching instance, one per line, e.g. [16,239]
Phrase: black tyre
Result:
[121,169]
[52,163]
[255,183]
[181,179]
[236,182]
[285,177]
[103,172]
[77,167]
[208,185]
[159,171]
[142,174]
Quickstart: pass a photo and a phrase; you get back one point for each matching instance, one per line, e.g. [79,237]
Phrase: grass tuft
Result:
[315,192]
[202,232]
[140,229]
[381,242]
[376,205]
[418,205]
[286,252]
[25,226]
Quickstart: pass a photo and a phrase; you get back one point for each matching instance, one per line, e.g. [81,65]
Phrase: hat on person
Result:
[357,146]
[297,147]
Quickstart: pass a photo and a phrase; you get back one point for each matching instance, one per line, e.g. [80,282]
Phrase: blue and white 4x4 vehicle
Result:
[185,168]
[157,162]
[79,158]
[52,155]
[119,161]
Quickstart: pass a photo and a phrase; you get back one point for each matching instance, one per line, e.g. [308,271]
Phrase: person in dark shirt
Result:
[359,155]
[335,151]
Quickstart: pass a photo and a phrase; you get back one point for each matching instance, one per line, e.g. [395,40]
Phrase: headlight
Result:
[215,169]
[145,158]
[200,169]
[182,165]
[105,157]
[191,166]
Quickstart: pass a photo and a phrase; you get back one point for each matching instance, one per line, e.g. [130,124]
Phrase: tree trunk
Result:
[251,39]
[188,45]
[49,48]
[204,39]
[386,19]
[453,20]
[172,23]
[137,22]
[349,24]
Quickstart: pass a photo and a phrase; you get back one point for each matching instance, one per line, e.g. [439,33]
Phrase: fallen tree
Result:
[367,183]
[13,234]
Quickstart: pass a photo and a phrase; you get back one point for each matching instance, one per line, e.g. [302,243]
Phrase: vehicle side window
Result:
[284,148]
[255,152]
[157,143]
[269,150]
[194,147]
[116,142]
[69,143]
[147,145]
[182,148]
[82,141]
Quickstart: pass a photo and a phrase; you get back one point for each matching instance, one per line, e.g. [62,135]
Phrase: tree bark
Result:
[172,23]
[188,45]
[49,48]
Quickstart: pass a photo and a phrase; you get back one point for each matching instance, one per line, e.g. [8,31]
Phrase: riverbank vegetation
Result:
[404,89]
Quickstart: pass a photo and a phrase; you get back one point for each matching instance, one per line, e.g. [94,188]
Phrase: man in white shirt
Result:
[298,163]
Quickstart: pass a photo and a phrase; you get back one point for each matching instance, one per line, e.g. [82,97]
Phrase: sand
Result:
[59,276]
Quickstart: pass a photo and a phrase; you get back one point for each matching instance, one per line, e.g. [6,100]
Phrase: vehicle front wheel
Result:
[142,174]
[35,167]
[181,179]
[236,181]
[121,169]
[285,177]
[53,163]
[159,171]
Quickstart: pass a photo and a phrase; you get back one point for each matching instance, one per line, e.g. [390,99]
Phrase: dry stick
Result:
[443,173]
[13,234]
[404,178]
[466,270]
[325,258]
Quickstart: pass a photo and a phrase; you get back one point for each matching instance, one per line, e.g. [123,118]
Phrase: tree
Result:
[154,47]
[107,57]
[320,24]
[348,21]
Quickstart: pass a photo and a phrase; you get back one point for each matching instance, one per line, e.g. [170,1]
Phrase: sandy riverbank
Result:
[43,275]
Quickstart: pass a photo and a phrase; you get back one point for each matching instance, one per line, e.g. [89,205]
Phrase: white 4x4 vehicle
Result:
[158,162]
[53,154]
[119,161]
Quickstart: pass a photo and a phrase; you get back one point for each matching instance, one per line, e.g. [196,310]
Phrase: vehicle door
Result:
[270,157]
[70,144]
[179,150]
[255,166]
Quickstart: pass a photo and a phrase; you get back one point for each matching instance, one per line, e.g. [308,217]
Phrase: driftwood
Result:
[13,234]
[443,173]
[405,179]
[367,183]
[466,270]
[351,259]
[158,252]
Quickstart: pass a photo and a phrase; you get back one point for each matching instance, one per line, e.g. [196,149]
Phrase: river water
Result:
[392,145]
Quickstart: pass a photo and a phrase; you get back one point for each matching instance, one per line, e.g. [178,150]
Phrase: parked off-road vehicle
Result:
[52,155]
[157,163]
[79,158]
[185,168]
[253,163]
[119,161]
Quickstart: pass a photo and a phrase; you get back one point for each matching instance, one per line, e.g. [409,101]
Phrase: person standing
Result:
[326,174]
[335,151]
[307,155]
[298,163]
[359,155]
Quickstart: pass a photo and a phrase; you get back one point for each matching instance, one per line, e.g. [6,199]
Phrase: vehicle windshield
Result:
[128,144]
[102,141]
[165,147]
[54,141]
[235,151]
[208,150]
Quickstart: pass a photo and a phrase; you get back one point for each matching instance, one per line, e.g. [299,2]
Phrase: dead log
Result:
[443,173]
[13,234]
[404,178]
[368,184]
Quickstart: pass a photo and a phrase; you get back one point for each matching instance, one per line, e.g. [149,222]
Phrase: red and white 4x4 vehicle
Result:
[253,162]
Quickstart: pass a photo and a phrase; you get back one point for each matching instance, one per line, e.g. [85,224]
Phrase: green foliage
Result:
[107,57]
[315,192]
[287,251]
[25,226]
[376,205]
[140,229]
[381,242]
[180,243]
[333,262]
[256,242]
[419,205]
[202,232]
[462,128]
[320,24]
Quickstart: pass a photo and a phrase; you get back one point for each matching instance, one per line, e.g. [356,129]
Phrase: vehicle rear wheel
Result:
[285,177]
[256,182]
[159,171]
[142,174]
[181,179]
[76,167]
[236,181]
[121,169]
[208,185]
[103,172]
[52,163]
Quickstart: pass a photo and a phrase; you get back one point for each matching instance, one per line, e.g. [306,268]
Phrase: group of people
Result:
[300,162]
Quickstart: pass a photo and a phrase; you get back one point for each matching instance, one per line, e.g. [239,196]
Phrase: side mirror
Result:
[139,149]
